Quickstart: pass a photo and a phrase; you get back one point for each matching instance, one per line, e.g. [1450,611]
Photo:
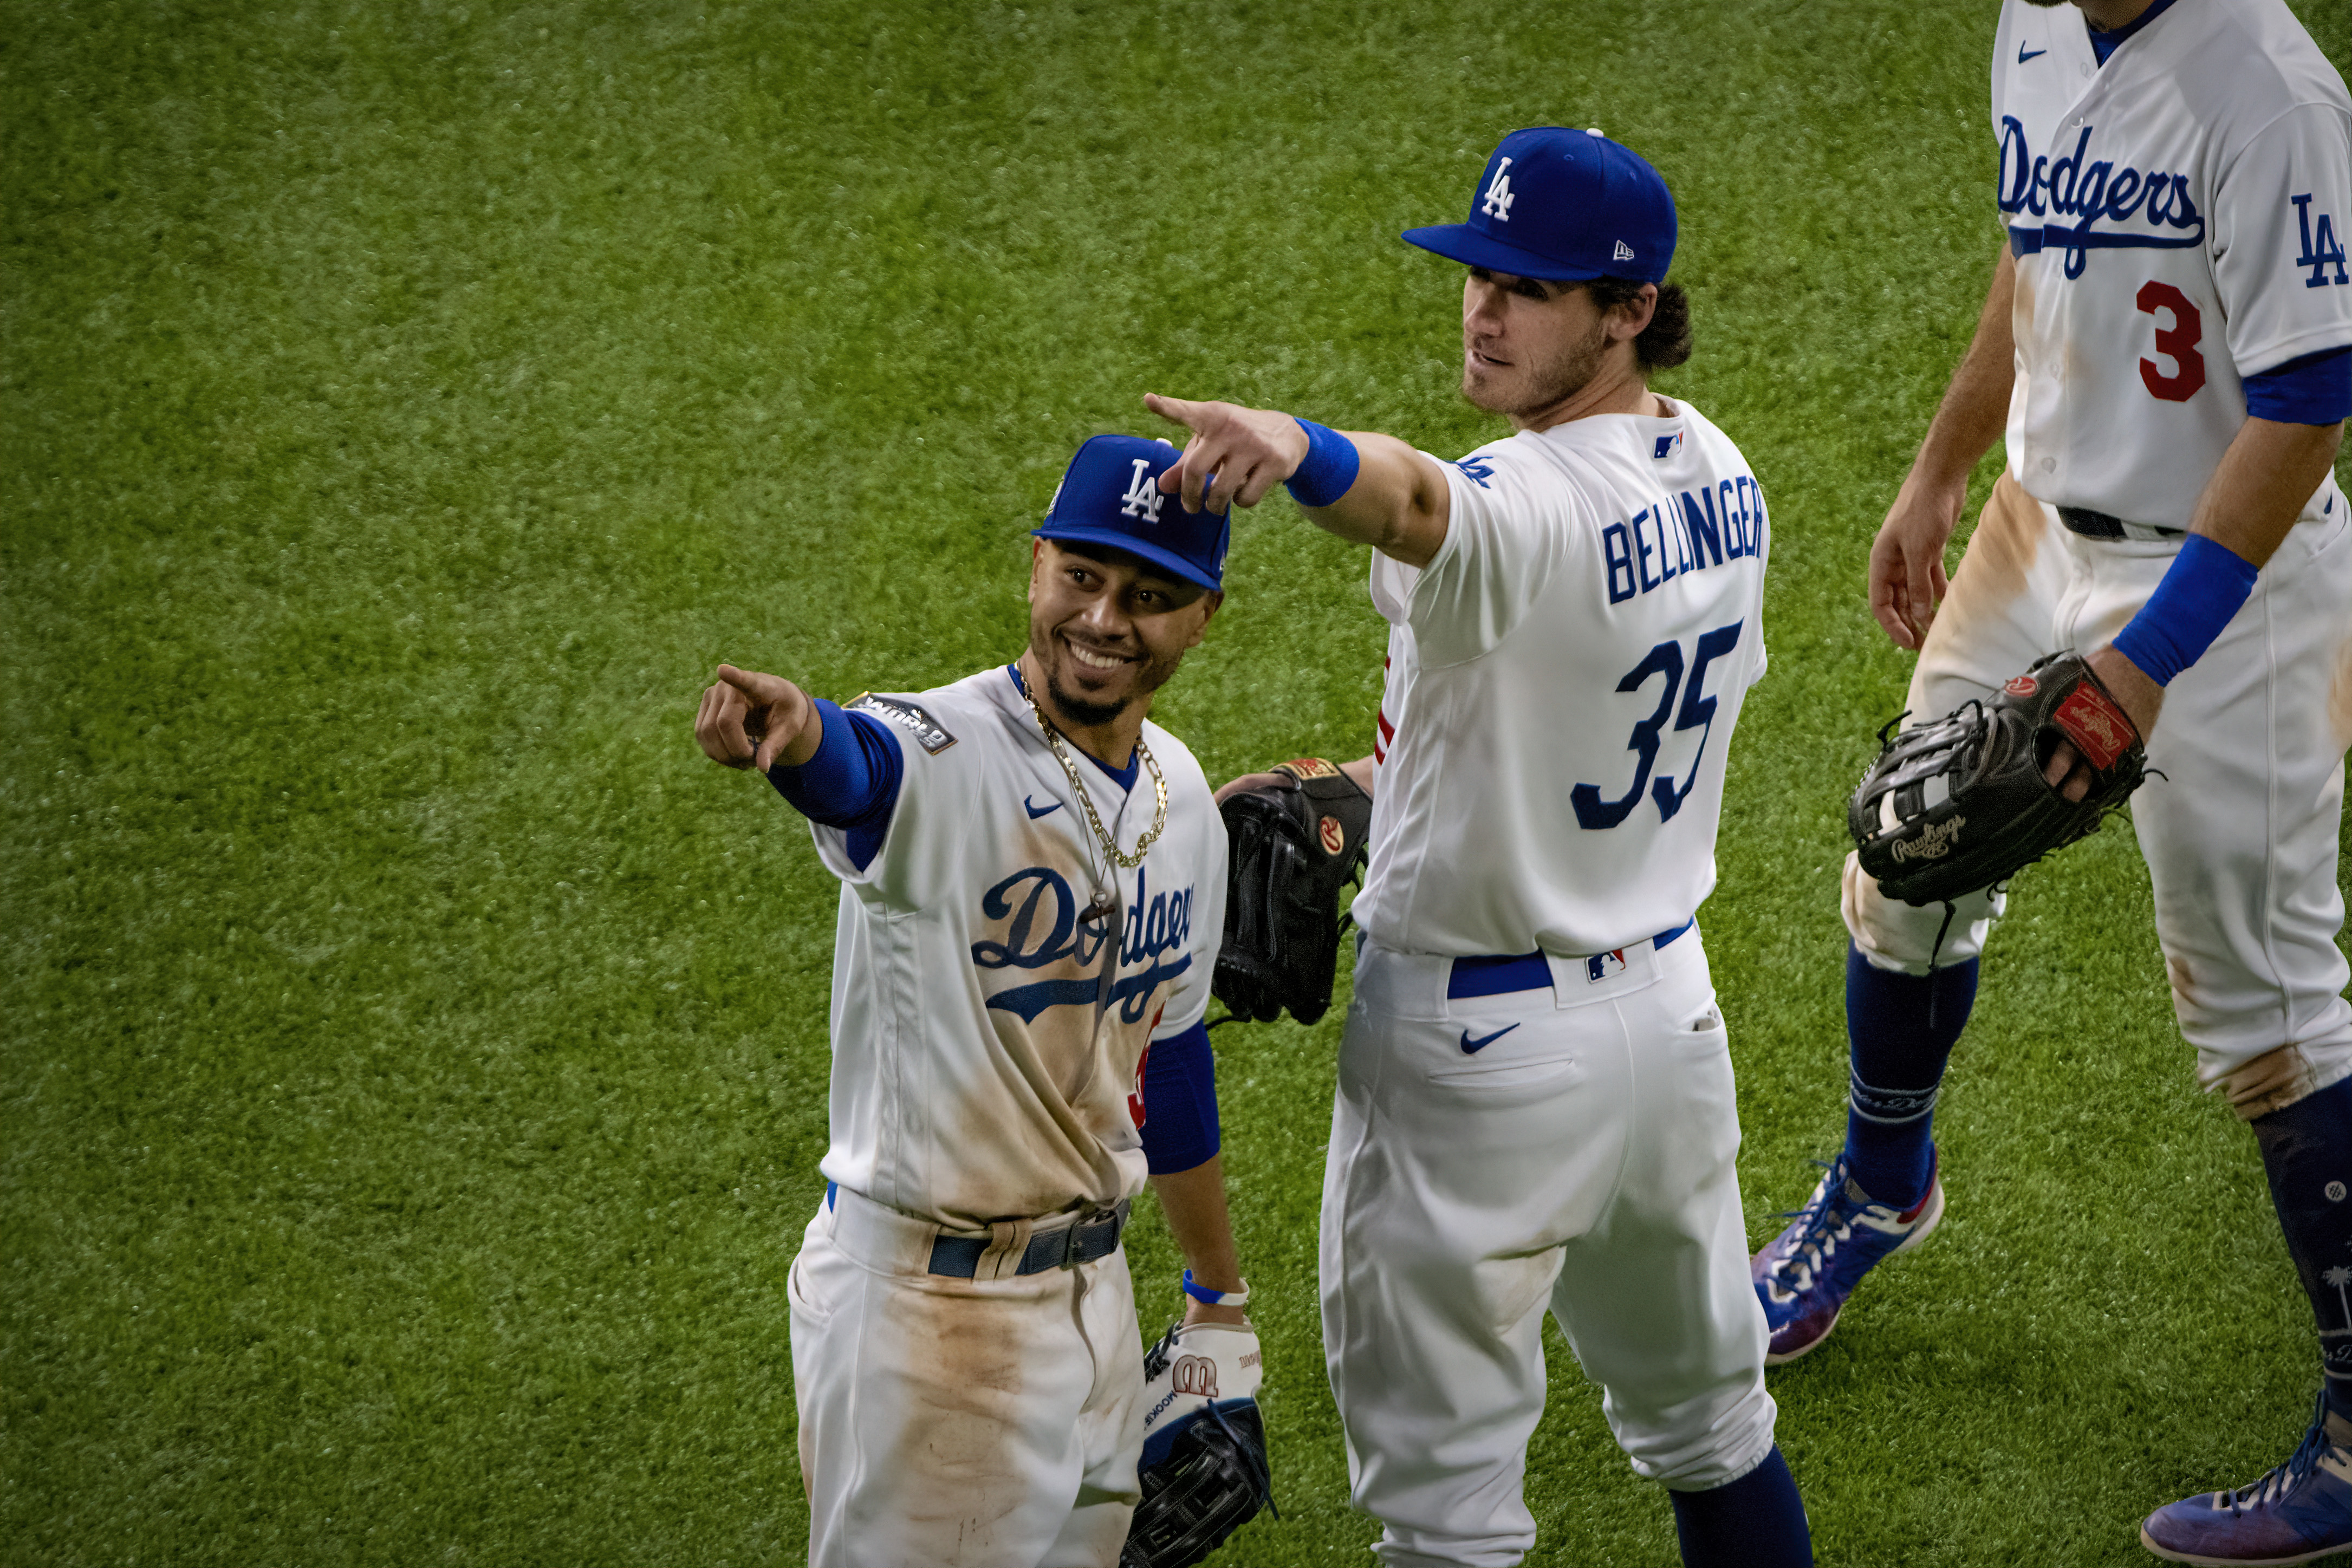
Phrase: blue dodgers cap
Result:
[1563,205]
[1111,496]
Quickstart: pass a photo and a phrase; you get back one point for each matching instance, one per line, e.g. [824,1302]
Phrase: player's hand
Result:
[751,720]
[1906,559]
[1250,781]
[2141,698]
[1235,455]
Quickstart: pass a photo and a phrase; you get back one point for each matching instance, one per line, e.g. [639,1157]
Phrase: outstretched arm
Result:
[1906,559]
[1395,500]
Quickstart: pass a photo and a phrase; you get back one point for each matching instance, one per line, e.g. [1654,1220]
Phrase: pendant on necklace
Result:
[1101,906]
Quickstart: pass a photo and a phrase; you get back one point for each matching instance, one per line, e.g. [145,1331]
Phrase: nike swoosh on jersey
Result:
[2022,57]
[1036,812]
[1472,1047]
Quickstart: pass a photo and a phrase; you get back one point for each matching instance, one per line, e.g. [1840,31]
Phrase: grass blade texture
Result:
[413,1053]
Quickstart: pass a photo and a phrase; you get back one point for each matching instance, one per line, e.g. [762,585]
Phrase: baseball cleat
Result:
[1804,1274]
[2299,1512]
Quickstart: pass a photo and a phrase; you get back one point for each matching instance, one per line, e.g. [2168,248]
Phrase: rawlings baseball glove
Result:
[1293,846]
[1960,804]
[1204,1469]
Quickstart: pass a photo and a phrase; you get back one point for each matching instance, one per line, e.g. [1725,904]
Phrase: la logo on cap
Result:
[1143,493]
[1497,203]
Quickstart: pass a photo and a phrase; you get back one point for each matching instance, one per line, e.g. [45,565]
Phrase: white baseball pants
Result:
[981,1423]
[1581,1160]
[2240,834]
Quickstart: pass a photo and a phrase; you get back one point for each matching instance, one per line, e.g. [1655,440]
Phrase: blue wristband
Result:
[2205,586]
[1328,468]
[1209,1298]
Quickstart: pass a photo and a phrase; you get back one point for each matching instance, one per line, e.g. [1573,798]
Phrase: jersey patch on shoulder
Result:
[1479,468]
[929,733]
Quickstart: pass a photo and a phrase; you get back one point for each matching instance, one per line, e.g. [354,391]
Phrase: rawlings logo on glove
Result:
[1960,804]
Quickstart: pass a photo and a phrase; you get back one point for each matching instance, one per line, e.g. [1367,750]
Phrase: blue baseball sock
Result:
[2307,1154]
[1901,1030]
[1757,1522]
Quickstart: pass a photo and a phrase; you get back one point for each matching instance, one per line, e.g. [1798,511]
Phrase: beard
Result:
[1090,712]
[1544,382]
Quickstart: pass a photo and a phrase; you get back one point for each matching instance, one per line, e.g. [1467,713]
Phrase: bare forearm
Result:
[1976,405]
[2261,483]
[1194,1203]
[1398,504]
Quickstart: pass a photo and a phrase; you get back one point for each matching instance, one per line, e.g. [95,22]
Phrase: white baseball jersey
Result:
[2178,218]
[987,1030]
[1562,681]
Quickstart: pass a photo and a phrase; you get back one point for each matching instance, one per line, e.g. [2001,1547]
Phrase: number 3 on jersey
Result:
[1697,713]
[2177,343]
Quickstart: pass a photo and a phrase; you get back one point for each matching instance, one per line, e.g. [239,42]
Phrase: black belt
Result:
[2094,525]
[958,1256]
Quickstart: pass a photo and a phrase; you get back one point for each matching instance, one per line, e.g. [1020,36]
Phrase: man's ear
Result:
[1036,565]
[1210,605]
[1627,321]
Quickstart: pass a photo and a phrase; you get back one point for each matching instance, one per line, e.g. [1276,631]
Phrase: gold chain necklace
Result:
[1086,800]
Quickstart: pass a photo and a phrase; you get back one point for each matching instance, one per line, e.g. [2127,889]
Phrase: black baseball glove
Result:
[1203,1471]
[1960,804]
[1292,847]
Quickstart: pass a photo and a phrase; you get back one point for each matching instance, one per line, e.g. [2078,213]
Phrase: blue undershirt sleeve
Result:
[852,783]
[1180,1103]
[2313,390]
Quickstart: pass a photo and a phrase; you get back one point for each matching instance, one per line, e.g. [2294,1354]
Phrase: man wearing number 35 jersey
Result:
[1534,1101]
[2167,352]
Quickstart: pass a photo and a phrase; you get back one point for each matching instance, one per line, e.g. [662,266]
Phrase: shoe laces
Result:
[2288,1477]
[1825,1226]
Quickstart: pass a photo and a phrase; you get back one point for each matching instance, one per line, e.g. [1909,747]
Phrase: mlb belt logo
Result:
[1601,966]
[1143,494]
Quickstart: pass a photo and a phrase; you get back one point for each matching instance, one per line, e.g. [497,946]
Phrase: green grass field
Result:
[415,1051]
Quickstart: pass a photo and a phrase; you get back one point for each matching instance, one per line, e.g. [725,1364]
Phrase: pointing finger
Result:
[1175,410]
[758,688]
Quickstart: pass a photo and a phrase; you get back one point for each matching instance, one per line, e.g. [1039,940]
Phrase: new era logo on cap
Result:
[1623,253]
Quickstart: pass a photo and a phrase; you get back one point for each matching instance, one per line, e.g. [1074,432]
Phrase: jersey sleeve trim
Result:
[1179,1128]
[2313,389]
[851,783]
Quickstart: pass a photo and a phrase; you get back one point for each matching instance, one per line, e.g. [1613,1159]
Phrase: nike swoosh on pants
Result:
[1472,1047]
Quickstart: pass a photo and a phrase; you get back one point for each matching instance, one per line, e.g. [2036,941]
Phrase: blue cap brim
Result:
[1168,561]
[1459,242]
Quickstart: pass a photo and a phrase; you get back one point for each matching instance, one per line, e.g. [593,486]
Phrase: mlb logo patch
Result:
[1666,444]
[1600,966]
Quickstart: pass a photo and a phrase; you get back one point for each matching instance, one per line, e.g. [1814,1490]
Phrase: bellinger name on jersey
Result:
[1660,543]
